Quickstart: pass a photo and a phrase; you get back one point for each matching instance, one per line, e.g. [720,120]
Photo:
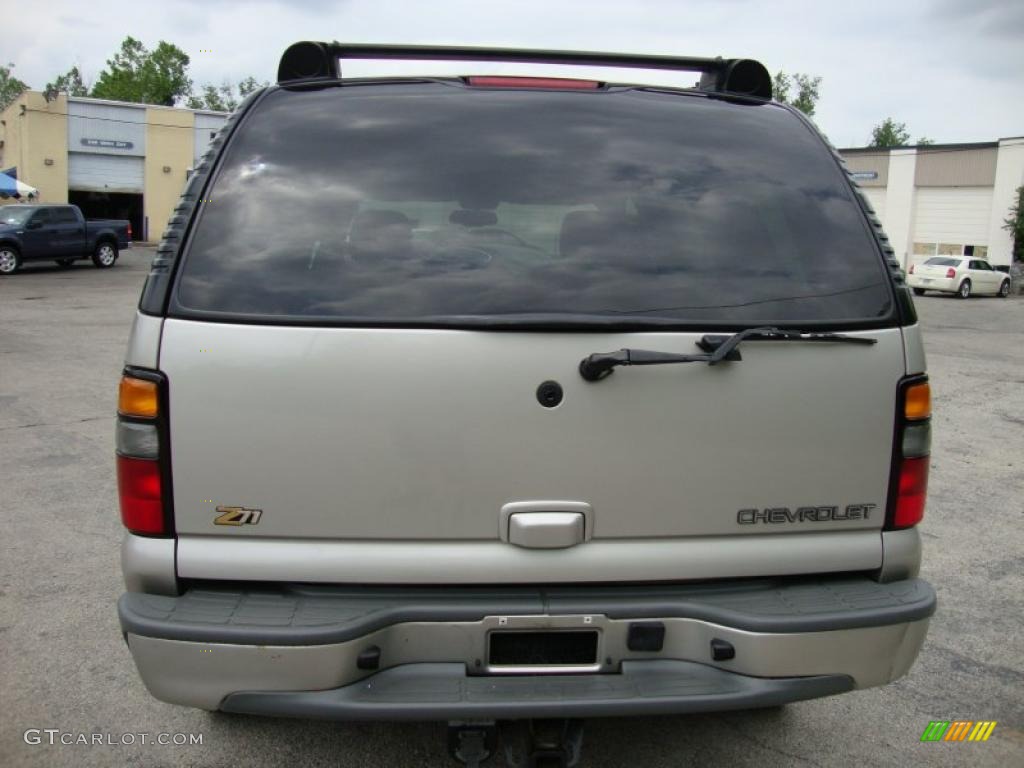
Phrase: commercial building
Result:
[943,199]
[113,159]
[122,160]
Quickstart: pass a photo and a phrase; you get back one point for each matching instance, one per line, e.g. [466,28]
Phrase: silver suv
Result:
[382,451]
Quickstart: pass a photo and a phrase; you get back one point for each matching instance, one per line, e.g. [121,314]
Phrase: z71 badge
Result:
[776,515]
[237,516]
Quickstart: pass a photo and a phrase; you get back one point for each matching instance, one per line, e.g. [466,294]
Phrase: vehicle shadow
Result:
[669,740]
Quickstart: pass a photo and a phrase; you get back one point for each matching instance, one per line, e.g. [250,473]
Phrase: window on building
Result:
[951,249]
[924,249]
[968,250]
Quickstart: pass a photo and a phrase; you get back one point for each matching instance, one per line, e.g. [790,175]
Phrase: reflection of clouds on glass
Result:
[252,169]
[689,203]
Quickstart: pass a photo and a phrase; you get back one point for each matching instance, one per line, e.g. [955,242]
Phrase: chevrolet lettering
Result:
[773,515]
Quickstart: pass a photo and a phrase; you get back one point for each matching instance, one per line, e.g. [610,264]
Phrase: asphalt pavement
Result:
[64,666]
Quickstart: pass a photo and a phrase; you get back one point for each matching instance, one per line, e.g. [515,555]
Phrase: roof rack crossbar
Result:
[310,61]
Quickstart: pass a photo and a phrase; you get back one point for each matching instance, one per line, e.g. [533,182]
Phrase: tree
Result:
[70,83]
[807,90]
[146,77]
[924,141]
[223,98]
[10,86]
[1014,224]
[249,84]
[889,134]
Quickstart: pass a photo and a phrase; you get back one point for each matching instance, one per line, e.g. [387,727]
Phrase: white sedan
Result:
[961,275]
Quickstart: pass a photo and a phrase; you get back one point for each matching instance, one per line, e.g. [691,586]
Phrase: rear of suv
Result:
[498,397]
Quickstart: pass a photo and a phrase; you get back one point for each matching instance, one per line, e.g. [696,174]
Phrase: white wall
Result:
[899,203]
[1009,176]
[89,119]
[876,196]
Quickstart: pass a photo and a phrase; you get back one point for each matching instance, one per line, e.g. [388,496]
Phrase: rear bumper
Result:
[445,692]
[294,652]
[946,284]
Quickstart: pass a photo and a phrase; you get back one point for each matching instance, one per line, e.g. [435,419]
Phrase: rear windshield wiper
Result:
[716,349]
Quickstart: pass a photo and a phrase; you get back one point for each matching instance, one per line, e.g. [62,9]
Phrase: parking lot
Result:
[64,666]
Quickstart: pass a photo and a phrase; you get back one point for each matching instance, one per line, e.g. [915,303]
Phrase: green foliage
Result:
[248,85]
[889,133]
[807,90]
[10,86]
[224,97]
[924,141]
[221,99]
[70,83]
[146,77]
[1014,224]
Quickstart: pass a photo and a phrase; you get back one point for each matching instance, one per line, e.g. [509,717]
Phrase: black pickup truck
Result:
[59,233]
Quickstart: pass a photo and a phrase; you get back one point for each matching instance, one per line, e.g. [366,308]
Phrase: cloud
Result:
[950,70]
[997,18]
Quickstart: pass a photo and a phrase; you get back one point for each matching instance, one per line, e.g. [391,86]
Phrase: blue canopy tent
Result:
[11,187]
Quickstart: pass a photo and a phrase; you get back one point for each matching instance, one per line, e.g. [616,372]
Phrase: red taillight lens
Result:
[909,480]
[139,489]
[129,230]
[551,83]
[950,272]
[913,488]
[911,270]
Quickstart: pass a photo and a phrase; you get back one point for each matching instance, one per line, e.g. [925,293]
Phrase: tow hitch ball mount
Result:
[527,743]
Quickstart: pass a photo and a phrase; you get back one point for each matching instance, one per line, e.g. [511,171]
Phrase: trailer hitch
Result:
[472,742]
[555,743]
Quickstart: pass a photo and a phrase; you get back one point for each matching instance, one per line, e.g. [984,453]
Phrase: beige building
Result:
[943,199]
[112,159]
[122,160]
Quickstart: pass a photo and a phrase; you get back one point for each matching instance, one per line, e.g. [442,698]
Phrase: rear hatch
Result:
[375,336]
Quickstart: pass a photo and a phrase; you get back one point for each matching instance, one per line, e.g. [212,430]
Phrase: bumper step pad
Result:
[312,615]
[444,691]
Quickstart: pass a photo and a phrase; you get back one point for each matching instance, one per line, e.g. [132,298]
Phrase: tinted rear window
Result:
[939,261]
[436,203]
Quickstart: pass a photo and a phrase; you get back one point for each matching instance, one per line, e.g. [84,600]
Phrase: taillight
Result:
[138,397]
[140,491]
[548,83]
[950,272]
[911,270]
[129,230]
[143,473]
[909,482]
[912,492]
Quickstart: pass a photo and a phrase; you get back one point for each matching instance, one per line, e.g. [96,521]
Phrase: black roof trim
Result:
[310,61]
[921,147]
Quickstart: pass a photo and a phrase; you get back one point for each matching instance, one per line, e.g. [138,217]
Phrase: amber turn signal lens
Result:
[917,402]
[137,397]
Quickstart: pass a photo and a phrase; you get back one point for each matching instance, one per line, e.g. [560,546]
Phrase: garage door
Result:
[956,215]
[104,173]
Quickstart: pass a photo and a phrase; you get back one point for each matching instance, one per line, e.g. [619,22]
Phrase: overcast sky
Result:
[952,70]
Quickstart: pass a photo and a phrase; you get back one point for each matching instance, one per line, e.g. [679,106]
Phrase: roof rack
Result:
[309,61]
